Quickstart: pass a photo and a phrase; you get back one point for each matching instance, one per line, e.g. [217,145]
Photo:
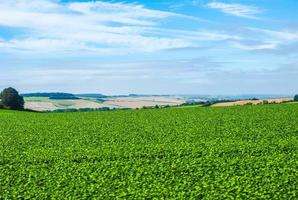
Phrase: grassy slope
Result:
[248,152]
[36,99]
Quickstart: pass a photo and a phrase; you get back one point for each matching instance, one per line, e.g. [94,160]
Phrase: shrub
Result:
[296,97]
[11,99]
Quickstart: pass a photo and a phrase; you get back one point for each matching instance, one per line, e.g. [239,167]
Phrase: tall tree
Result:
[296,97]
[11,99]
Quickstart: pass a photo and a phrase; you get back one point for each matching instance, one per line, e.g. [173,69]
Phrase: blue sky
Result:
[160,47]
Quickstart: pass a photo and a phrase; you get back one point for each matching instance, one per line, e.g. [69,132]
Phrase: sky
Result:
[150,46]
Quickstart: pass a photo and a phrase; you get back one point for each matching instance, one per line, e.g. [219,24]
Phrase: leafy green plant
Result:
[247,152]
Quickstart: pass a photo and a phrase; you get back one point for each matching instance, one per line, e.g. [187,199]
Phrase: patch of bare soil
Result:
[139,102]
[77,104]
[40,106]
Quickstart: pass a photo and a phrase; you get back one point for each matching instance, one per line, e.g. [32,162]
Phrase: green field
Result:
[36,99]
[247,152]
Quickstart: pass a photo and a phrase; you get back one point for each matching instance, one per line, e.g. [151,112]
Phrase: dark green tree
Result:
[11,99]
[296,97]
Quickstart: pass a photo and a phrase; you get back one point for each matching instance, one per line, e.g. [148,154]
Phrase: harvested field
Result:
[121,102]
[77,104]
[254,102]
[51,105]
[40,106]
[139,102]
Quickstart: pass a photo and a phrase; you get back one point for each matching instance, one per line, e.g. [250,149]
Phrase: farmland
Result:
[253,102]
[247,152]
[46,104]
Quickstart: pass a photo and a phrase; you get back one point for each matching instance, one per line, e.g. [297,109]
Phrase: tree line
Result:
[51,95]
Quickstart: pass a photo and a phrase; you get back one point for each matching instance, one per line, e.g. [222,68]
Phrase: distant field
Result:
[254,102]
[247,152]
[139,102]
[36,99]
[46,104]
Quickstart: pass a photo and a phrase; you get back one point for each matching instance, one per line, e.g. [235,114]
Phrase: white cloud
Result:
[41,44]
[118,28]
[236,9]
[267,40]
[98,27]
[118,77]
[280,35]
[262,46]
[32,5]
[50,25]
[184,76]
[216,36]
[200,35]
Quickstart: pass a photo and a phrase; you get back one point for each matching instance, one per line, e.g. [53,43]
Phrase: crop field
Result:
[46,104]
[247,152]
[254,102]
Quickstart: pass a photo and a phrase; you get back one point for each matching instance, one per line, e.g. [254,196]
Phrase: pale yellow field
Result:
[121,102]
[254,102]
[40,106]
[80,103]
[139,102]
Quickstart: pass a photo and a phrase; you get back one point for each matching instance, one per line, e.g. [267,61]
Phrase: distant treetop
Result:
[10,99]
[52,95]
[91,95]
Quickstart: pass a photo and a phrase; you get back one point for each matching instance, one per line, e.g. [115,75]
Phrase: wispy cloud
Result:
[194,76]
[238,10]
[268,40]
[281,35]
[90,26]
[113,77]
[260,46]
[98,27]
[109,28]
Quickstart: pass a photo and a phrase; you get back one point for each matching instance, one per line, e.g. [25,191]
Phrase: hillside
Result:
[92,101]
[247,152]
